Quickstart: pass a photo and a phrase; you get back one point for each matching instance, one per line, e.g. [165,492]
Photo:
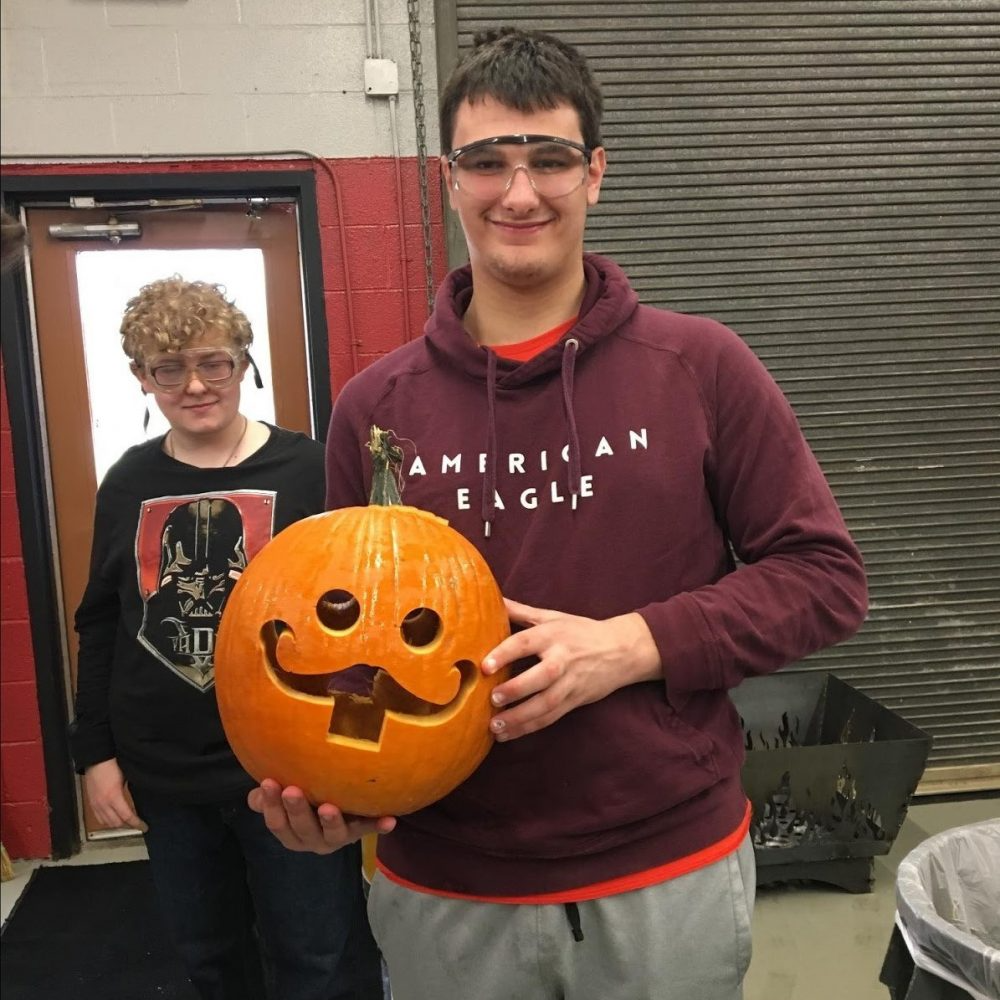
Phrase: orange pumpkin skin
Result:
[278,646]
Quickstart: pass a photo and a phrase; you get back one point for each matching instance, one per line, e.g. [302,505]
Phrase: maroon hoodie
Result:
[609,474]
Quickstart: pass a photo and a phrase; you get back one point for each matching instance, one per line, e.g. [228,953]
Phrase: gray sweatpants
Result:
[685,939]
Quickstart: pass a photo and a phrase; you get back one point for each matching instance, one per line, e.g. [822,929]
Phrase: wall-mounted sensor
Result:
[381,78]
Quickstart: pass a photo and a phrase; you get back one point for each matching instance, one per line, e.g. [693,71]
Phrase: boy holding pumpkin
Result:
[607,459]
[178,517]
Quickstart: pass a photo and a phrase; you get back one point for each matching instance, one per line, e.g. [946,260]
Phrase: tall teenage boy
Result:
[609,460]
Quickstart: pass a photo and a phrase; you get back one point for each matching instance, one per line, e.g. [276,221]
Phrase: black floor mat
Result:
[89,932]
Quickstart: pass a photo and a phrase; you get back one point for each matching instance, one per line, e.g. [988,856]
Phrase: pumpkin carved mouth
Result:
[362,693]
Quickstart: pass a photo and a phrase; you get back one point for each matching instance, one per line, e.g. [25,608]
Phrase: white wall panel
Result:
[120,77]
[359,127]
[78,125]
[51,13]
[278,60]
[109,61]
[142,123]
[23,65]
[167,12]
[311,11]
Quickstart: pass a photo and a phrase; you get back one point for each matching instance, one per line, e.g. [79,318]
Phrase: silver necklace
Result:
[232,454]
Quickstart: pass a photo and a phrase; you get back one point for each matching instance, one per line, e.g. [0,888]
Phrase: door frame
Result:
[22,381]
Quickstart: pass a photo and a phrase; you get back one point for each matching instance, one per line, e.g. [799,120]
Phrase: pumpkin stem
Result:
[387,458]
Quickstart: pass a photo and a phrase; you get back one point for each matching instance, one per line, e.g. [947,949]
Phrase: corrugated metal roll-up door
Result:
[825,178]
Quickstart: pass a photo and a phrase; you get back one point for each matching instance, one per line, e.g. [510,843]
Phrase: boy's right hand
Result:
[289,816]
[105,787]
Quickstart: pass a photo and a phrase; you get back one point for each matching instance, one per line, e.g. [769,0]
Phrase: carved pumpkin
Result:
[348,654]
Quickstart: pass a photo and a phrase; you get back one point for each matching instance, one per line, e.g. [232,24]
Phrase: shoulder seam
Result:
[685,365]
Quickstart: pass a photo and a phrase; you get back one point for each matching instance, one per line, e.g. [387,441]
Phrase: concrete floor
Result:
[819,943]
[810,942]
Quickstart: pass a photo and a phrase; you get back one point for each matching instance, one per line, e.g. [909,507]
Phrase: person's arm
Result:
[580,661]
[97,622]
[802,586]
[91,739]
[300,827]
[105,786]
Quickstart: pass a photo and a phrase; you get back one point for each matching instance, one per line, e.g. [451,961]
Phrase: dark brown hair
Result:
[525,70]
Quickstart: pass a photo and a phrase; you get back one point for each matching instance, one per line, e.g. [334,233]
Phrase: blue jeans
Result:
[252,920]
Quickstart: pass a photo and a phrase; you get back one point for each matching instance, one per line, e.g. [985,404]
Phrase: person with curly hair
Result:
[178,518]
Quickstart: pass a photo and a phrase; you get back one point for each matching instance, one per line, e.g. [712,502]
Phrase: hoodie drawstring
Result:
[570,352]
[573,916]
[571,348]
[490,475]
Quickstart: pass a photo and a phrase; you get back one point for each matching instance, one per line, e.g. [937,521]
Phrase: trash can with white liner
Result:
[946,940]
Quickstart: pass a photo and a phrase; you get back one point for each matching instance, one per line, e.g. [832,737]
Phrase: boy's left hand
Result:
[581,660]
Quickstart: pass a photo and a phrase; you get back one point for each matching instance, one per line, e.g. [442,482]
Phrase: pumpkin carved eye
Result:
[420,627]
[338,610]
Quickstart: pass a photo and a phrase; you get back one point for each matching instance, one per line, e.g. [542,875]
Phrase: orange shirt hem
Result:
[612,887]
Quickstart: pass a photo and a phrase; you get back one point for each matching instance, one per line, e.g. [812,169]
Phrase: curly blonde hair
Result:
[169,314]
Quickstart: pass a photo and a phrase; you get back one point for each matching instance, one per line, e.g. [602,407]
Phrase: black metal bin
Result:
[830,773]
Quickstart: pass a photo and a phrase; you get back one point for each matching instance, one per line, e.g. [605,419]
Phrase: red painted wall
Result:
[369,303]
[24,813]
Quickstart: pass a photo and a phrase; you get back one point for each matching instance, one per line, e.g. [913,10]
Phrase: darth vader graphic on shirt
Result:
[190,551]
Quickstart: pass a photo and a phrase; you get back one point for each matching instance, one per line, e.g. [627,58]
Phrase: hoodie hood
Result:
[608,302]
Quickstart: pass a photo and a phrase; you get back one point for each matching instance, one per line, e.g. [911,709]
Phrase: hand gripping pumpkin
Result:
[348,654]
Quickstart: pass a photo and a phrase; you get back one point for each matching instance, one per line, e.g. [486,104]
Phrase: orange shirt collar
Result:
[525,350]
